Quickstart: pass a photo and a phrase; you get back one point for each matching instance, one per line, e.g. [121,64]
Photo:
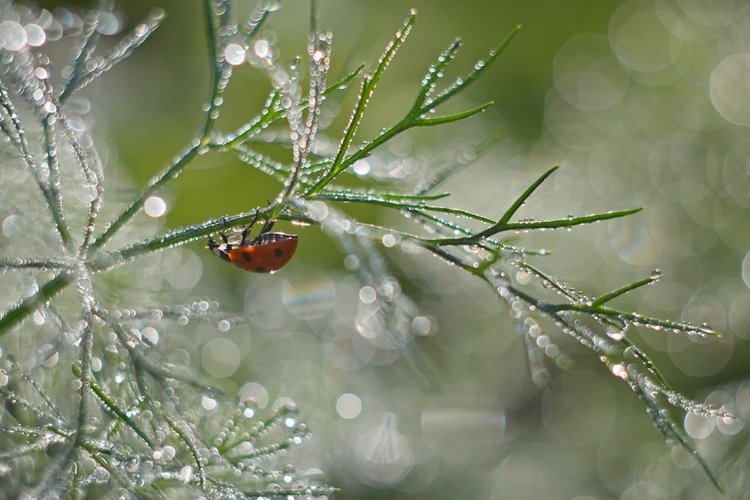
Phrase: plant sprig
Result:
[105,415]
[415,117]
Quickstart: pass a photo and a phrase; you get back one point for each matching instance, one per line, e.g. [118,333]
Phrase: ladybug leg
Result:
[223,232]
[246,231]
[267,227]
[269,224]
[211,243]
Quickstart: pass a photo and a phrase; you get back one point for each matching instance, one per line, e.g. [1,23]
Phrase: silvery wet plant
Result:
[95,403]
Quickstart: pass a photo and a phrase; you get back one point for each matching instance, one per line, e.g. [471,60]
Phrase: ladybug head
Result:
[219,249]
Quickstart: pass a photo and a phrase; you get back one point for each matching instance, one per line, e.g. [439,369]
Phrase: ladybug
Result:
[266,253]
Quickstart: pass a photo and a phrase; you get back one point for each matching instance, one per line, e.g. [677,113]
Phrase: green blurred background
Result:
[642,103]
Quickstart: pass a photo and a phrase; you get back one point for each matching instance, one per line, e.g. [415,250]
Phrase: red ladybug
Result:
[267,253]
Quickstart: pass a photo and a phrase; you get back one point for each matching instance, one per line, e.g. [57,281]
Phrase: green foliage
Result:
[137,423]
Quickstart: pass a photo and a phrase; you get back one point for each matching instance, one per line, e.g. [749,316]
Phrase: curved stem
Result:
[27,306]
[156,183]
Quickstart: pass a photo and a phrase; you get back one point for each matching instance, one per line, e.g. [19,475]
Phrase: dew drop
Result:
[12,36]
[155,207]
[351,262]
[318,56]
[421,325]
[35,35]
[234,53]
[317,210]
[272,5]
[388,240]
[367,295]
[361,167]
[262,49]
[349,406]
[619,370]
[108,24]
[141,30]
[616,335]
[38,317]
[208,403]
[150,334]
[41,73]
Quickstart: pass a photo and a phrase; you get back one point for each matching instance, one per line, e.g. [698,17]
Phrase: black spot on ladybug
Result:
[247,256]
[278,252]
[260,270]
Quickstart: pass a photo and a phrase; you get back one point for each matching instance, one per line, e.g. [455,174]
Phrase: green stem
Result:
[221,71]
[22,145]
[363,152]
[57,209]
[220,77]
[29,305]
[112,406]
[632,317]
[156,183]
[527,226]
[524,196]
[620,291]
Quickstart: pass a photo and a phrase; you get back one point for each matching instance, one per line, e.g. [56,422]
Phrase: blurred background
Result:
[642,103]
